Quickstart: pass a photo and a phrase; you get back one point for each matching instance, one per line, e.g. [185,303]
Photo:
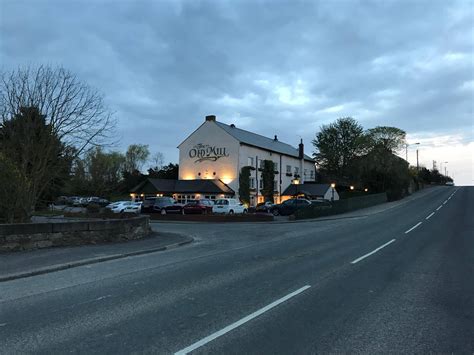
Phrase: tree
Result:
[135,157]
[337,144]
[39,156]
[48,117]
[104,171]
[75,113]
[391,138]
[268,180]
[14,189]
[157,161]
[169,171]
[244,184]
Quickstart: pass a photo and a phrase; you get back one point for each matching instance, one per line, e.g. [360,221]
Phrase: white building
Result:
[217,151]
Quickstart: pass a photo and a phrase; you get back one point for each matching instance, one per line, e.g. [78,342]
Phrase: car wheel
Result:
[231,212]
[163,211]
[275,212]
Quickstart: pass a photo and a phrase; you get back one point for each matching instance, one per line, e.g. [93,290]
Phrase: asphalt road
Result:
[375,284]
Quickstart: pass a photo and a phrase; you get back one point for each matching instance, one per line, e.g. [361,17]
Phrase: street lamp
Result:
[406,149]
[296,182]
[351,187]
[445,171]
[333,185]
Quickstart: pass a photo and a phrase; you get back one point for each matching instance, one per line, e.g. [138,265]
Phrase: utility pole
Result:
[417,163]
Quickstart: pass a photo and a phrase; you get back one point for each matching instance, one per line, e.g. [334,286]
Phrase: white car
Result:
[135,207]
[119,207]
[228,206]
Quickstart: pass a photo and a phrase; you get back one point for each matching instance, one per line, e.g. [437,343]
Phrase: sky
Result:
[271,67]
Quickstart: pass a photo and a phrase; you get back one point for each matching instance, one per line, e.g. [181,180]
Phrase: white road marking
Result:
[237,324]
[3,324]
[372,252]
[440,207]
[445,202]
[432,213]
[416,225]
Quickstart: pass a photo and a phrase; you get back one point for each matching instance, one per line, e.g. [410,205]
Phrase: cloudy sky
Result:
[272,67]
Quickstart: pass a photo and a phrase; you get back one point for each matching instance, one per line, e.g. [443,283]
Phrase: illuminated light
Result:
[188,177]
[333,185]
[132,195]
[142,195]
[366,189]
[227,180]
[352,187]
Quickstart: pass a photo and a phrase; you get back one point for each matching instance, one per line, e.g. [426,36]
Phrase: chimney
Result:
[211,118]
[301,150]
[276,138]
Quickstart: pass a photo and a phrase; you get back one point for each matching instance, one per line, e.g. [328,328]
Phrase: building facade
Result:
[217,151]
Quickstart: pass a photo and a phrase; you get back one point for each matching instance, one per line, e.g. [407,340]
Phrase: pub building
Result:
[211,158]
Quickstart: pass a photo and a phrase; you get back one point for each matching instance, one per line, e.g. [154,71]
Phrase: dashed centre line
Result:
[372,252]
[432,213]
[415,226]
[445,202]
[440,207]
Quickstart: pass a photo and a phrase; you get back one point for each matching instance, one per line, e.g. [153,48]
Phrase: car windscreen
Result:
[222,202]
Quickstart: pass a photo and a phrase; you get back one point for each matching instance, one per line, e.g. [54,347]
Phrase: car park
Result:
[289,207]
[228,206]
[121,206]
[102,202]
[321,203]
[202,206]
[175,207]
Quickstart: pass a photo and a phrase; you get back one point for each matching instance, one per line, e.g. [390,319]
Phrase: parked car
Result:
[102,202]
[290,206]
[321,202]
[134,207]
[161,203]
[121,206]
[264,207]
[147,205]
[228,206]
[202,206]
[175,207]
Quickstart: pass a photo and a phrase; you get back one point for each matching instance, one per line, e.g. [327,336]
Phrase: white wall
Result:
[226,167]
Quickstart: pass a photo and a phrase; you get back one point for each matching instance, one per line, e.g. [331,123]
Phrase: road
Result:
[397,281]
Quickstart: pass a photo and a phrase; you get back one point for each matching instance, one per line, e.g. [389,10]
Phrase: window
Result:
[260,163]
[260,183]
[297,170]
[252,183]
[275,185]
[305,172]
[288,169]
[275,166]
[250,161]
[311,174]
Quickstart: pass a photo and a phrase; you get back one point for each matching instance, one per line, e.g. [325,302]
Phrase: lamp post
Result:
[445,167]
[333,185]
[406,149]
[296,182]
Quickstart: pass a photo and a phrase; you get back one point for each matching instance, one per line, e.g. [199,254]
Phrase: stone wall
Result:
[15,237]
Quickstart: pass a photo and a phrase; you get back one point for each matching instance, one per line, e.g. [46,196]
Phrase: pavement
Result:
[36,262]
[397,281]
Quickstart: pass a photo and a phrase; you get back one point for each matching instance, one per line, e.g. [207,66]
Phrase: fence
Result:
[341,206]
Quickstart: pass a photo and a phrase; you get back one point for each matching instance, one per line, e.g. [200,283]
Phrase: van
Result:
[228,206]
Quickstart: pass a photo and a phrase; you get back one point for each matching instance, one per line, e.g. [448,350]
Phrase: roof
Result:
[259,141]
[307,189]
[152,186]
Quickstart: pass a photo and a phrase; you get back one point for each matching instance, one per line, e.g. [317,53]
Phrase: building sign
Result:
[204,152]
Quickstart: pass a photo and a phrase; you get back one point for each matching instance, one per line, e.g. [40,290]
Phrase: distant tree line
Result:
[347,154]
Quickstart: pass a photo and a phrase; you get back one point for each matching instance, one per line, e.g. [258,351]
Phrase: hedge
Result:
[341,206]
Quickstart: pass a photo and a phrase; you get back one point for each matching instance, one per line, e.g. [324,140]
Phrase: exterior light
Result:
[333,185]
[296,181]
[352,187]
[366,189]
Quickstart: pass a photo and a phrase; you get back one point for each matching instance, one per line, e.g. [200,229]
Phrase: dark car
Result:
[147,205]
[264,207]
[102,202]
[321,203]
[290,206]
[175,207]
[202,206]
[161,203]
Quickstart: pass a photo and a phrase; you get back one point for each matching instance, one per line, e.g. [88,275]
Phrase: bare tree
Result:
[48,117]
[157,161]
[75,112]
